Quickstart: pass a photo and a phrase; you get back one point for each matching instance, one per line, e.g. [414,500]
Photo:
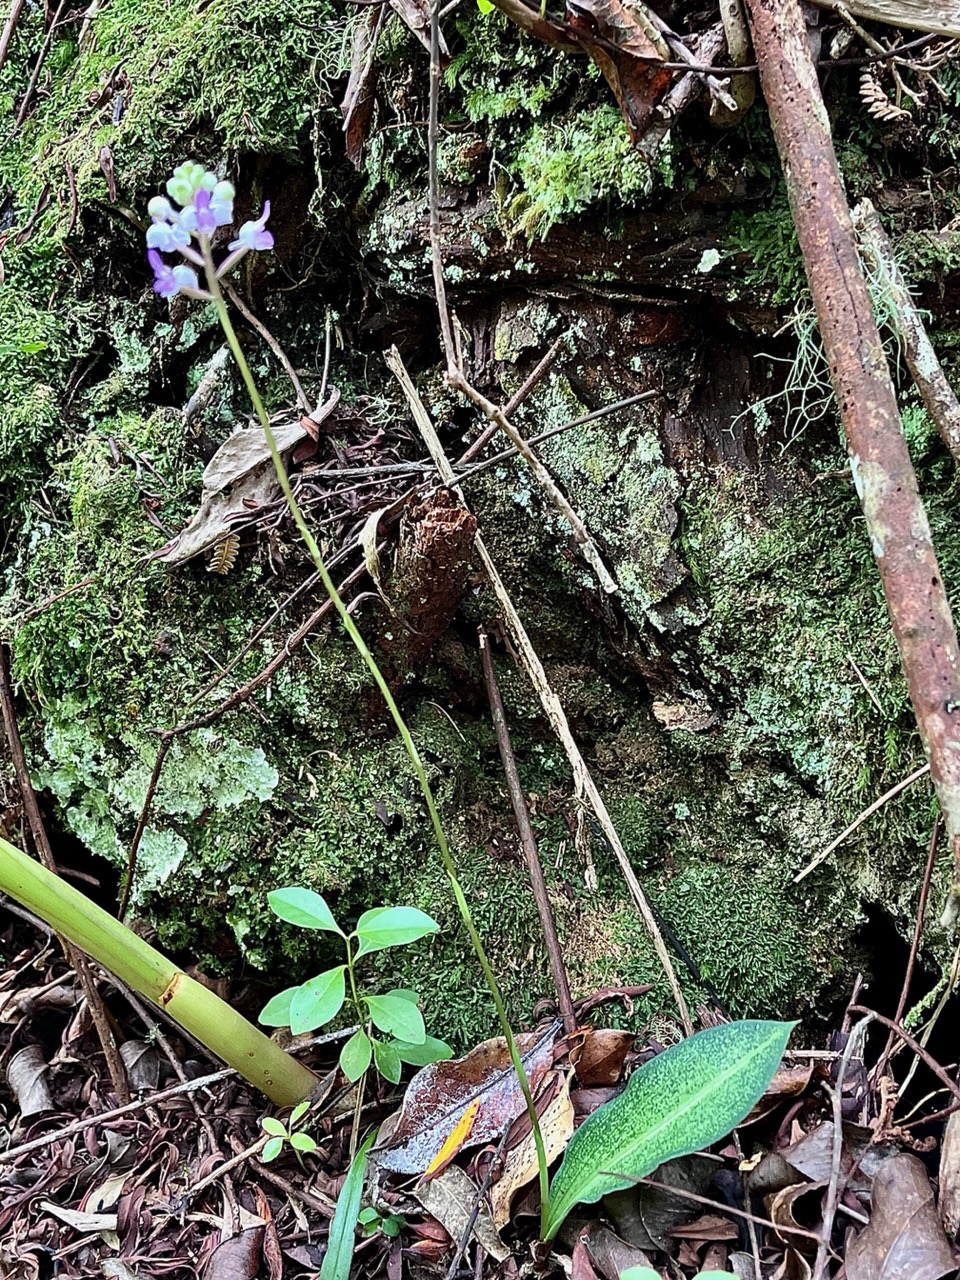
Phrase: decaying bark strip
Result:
[936,392]
[882,470]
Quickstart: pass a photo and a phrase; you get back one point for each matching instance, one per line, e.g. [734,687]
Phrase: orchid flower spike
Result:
[206,202]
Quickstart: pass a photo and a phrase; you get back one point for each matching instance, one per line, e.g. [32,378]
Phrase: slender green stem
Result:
[411,748]
[353,984]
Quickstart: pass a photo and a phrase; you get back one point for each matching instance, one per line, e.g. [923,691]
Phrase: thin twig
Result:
[272,343]
[716,1204]
[515,401]
[104,1117]
[38,67]
[914,943]
[76,957]
[156,1033]
[936,392]
[833,1184]
[917,1048]
[478,1199]
[16,8]
[44,605]
[528,841]
[859,820]
[327,348]
[586,788]
[166,742]
[235,699]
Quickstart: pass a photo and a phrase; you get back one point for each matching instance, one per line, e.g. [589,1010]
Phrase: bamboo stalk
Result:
[214,1023]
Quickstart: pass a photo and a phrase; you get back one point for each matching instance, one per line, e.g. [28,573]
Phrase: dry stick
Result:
[914,944]
[166,742]
[155,1032]
[859,820]
[478,1199]
[514,402]
[16,8]
[236,699]
[833,1184]
[454,357]
[882,471]
[75,956]
[38,66]
[528,841]
[104,1117]
[935,390]
[584,784]
[679,97]
[271,342]
[719,1205]
[42,607]
[915,1045]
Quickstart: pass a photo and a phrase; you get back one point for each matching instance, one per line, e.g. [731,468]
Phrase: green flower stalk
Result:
[205,202]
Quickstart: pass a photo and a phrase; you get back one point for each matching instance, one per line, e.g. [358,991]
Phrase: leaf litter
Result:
[148,1193]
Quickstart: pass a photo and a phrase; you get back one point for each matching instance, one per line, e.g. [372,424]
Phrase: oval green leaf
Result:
[271,1150]
[303,907]
[397,1017]
[392,927]
[318,1000]
[276,1012]
[302,1142]
[355,1055]
[270,1124]
[421,1055]
[682,1100]
[387,1060]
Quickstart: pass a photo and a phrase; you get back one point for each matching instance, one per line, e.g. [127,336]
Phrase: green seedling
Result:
[400,1034]
[281,1133]
[372,1220]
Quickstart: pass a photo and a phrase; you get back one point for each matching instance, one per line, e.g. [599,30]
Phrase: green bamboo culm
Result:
[371,663]
[209,1019]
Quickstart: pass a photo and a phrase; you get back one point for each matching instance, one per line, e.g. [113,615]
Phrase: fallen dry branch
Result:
[879,458]
[936,392]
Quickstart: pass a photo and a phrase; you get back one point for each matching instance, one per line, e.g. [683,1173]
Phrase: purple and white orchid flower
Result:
[206,203]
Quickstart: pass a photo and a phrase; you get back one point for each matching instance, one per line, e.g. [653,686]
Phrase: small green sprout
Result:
[281,1133]
[371,1220]
[396,1014]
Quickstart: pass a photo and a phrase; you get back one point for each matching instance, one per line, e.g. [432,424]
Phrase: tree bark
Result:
[882,470]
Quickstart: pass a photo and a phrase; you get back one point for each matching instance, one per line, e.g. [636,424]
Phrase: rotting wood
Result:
[937,394]
[880,461]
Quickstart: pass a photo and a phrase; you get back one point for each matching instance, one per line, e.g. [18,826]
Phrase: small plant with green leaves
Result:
[372,1220]
[395,1015]
[280,1134]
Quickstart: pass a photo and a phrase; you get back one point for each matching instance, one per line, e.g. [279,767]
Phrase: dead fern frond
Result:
[224,554]
[875,99]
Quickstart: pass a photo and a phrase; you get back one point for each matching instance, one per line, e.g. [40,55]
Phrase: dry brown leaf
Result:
[904,1236]
[520,1166]
[27,1078]
[451,1199]
[439,1095]
[628,53]
[599,1059]
[611,1255]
